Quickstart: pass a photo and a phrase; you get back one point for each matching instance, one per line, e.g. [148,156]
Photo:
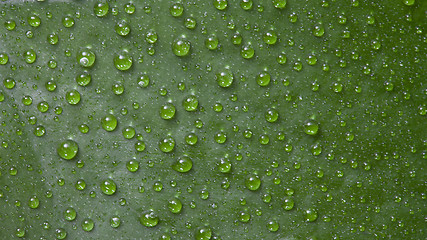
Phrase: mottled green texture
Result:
[235,152]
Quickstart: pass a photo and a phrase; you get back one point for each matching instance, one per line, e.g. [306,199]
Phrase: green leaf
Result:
[213,119]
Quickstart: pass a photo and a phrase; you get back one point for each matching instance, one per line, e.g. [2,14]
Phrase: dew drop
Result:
[67,149]
[108,187]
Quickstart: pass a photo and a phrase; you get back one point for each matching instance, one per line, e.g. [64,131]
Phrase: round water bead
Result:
[123,61]
[86,58]
[246,4]
[253,182]
[176,9]
[220,137]
[263,79]
[84,79]
[4,58]
[311,127]
[247,51]
[52,38]
[318,30]
[244,217]
[211,42]
[190,103]
[109,122]
[203,234]
[34,21]
[34,202]
[279,4]
[167,144]
[270,37]
[272,226]
[30,56]
[224,78]
[191,139]
[143,81]
[100,9]
[108,187]
[115,222]
[70,214]
[122,28]
[68,149]
[151,37]
[190,23]
[88,225]
[68,21]
[181,47]
[149,219]
[183,164]
[72,97]
[167,111]
[310,215]
[128,132]
[220,4]
[175,205]
[271,115]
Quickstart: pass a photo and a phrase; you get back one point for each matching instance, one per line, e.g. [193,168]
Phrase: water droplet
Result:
[190,103]
[4,58]
[183,164]
[115,222]
[132,165]
[83,79]
[88,225]
[311,127]
[271,115]
[101,9]
[288,204]
[224,165]
[122,28]
[149,219]
[72,97]
[34,202]
[67,149]
[108,187]
[203,234]
[123,61]
[220,137]
[181,47]
[220,4]
[191,139]
[246,4]
[151,37]
[247,51]
[318,30]
[86,58]
[30,56]
[263,79]
[175,205]
[70,214]
[34,21]
[408,2]
[225,78]
[167,111]
[80,184]
[68,21]
[190,23]
[176,9]
[310,215]
[270,37]
[272,226]
[279,4]
[167,144]
[109,122]
[211,42]
[253,182]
